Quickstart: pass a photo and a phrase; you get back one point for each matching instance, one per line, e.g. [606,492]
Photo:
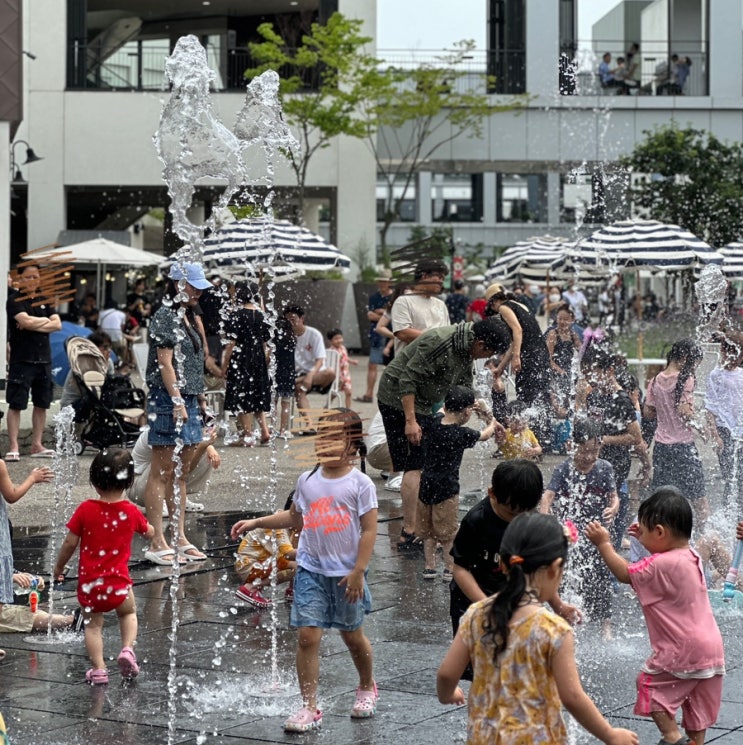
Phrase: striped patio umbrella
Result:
[258,246]
[732,260]
[645,243]
[533,260]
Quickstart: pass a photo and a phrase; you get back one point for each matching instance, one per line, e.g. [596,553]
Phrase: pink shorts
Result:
[698,698]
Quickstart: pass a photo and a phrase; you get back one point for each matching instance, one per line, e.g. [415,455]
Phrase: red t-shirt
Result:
[105,530]
[477,308]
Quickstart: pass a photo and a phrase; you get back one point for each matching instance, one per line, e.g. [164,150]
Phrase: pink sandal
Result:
[127,661]
[97,677]
[366,703]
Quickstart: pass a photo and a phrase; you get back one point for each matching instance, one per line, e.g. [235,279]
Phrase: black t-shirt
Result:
[27,346]
[614,412]
[445,446]
[477,549]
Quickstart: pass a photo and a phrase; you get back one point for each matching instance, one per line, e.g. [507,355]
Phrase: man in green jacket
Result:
[414,382]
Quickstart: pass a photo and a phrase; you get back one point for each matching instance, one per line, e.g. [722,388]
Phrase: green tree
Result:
[694,180]
[413,113]
[322,84]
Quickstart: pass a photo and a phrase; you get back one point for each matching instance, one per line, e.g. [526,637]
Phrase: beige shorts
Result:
[15,618]
[439,521]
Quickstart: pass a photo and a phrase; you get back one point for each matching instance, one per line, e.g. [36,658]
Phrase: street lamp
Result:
[16,176]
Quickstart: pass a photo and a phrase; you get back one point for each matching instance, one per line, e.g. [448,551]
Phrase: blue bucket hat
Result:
[192,273]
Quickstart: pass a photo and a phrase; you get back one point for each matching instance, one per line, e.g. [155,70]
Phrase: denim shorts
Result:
[377,344]
[162,424]
[320,602]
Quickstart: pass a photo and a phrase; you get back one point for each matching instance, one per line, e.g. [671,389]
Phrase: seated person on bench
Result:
[309,357]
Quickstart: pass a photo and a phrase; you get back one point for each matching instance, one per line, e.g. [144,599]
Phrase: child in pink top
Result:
[670,400]
[687,663]
[335,337]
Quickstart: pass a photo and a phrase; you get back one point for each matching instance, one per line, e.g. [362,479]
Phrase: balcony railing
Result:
[139,65]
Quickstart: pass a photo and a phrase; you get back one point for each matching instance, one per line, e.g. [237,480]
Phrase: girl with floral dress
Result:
[523,654]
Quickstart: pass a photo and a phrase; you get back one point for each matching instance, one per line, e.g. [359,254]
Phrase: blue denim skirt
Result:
[163,430]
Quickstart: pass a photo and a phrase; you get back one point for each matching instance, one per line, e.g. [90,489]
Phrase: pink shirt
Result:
[672,429]
[683,632]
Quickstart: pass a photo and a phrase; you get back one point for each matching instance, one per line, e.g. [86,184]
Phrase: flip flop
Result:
[183,553]
[12,456]
[44,454]
[158,557]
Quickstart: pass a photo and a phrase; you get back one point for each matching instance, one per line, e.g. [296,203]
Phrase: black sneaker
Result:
[78,621]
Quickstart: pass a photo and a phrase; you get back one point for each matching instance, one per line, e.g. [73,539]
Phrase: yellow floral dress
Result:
[514,702]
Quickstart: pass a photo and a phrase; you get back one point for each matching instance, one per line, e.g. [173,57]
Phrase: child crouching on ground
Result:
[335,506]
[104,528]
[687,662]
[438,496]
[258,551]
[517,440]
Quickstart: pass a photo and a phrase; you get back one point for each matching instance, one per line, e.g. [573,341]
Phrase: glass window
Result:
[521,197]
[456,197]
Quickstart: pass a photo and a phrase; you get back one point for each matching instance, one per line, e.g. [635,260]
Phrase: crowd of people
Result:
[508,556]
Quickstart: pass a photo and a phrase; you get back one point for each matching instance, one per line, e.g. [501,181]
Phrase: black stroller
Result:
[111,409]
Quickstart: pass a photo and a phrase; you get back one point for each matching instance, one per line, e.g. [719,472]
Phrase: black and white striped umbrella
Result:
[533,260]
[258,245]
[645,243]
[732,260]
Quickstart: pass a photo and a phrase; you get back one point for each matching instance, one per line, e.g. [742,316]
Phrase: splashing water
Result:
[710,289]
[194,145]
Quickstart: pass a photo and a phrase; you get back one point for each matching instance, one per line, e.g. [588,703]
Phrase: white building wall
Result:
[102,138]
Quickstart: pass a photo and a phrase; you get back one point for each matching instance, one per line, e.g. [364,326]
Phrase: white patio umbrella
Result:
[257,246]
[645,243]
[101,253]
[732,260]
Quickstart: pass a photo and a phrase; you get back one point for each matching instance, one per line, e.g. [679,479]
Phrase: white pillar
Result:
[553,199]
[423,195]
[543,48]
[489,198]
[725,49]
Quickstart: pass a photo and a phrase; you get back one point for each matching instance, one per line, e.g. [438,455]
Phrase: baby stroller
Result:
[111,408]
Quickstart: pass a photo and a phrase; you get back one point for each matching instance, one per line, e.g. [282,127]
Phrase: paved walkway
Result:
[215,683]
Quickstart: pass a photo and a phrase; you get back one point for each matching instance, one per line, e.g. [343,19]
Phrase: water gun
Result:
[728,590]
[33,596]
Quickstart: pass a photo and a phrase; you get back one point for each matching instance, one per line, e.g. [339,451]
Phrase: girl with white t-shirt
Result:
[335,508]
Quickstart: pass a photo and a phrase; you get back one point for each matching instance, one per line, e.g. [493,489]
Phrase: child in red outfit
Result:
[104,528]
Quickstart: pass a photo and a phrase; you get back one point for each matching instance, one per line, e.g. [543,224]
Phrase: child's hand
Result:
[597,533]
[354,583]
[42,475]
[241,527]
[457,698]
[739,531]
[619,736]
[632,530]
[609,514]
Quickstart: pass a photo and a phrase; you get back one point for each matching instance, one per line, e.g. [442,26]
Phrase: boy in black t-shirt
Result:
[516,487]
[438,496]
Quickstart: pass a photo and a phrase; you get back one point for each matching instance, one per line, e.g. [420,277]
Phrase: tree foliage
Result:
[694,180]
[415,112]
[323,81]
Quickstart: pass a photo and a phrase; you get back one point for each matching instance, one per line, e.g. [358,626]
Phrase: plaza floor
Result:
[215,670]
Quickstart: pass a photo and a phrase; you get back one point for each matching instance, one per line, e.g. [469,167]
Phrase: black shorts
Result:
[678,465]
[405,457]
[33,377]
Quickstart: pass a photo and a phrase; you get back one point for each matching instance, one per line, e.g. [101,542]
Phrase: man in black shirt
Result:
[30,360]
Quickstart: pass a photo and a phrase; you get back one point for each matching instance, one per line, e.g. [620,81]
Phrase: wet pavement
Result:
[210,676]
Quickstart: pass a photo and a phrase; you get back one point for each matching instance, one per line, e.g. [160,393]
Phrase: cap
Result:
[384,275]
[192,273]
[494,289]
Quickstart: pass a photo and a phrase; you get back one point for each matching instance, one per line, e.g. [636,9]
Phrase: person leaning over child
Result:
[686,666]
[522,655]
[438,495]
[516,487]
[517,440]
[259,551]
[335,507]
[103,529]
